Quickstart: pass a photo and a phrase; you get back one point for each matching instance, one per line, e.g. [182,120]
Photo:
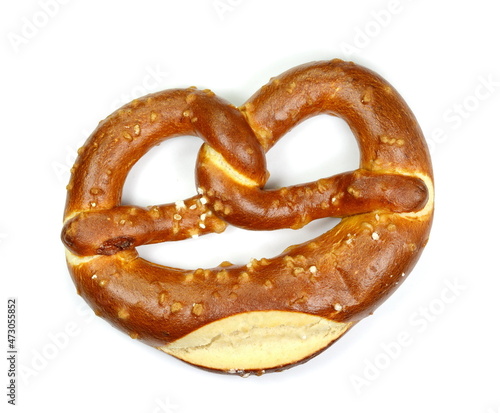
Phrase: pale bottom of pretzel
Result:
[257,341]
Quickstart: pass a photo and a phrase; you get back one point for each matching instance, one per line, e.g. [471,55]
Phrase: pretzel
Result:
[271,313]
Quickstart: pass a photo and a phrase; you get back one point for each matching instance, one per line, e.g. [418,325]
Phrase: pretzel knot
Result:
[274,312]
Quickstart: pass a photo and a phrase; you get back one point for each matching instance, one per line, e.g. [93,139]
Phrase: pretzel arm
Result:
[341,195]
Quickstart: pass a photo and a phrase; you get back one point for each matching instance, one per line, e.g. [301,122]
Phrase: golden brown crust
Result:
[386,206]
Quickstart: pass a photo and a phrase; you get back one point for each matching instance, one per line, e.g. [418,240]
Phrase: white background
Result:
[68,64]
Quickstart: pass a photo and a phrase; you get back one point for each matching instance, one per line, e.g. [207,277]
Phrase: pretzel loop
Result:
[230,317]
[96,223]
[328,88]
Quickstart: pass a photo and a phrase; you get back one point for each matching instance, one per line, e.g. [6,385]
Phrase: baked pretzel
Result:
[271,313]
